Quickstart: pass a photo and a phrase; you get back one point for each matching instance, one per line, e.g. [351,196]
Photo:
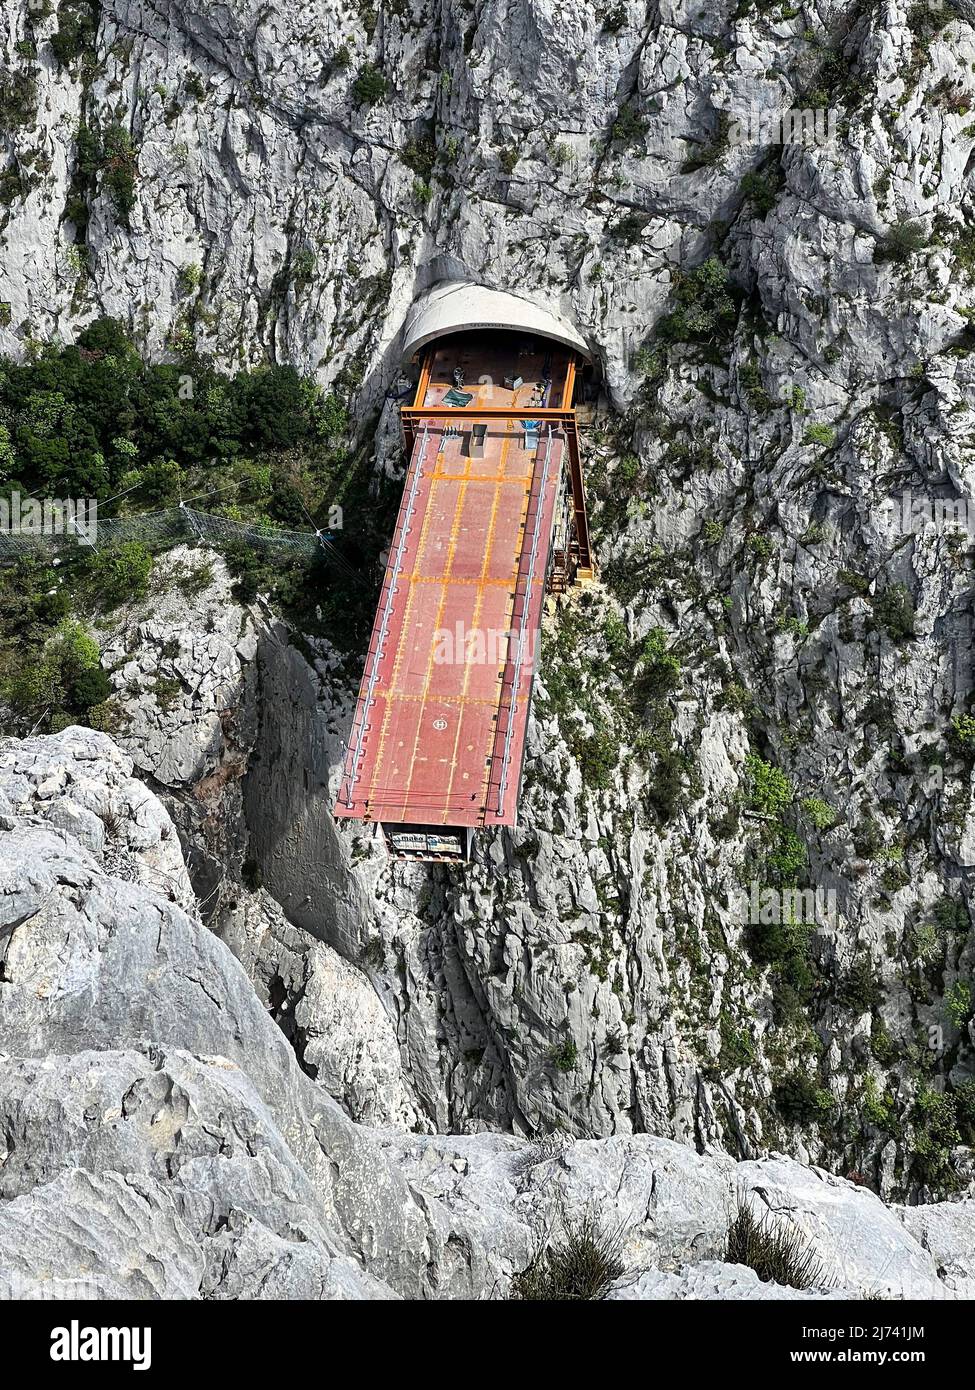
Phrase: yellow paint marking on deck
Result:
[505,443]
[459,580]
[451,552]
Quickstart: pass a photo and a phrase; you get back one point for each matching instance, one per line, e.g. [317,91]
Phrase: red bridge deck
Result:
[439,730]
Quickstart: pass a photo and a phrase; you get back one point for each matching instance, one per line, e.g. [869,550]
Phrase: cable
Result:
[119,494]
[328,547]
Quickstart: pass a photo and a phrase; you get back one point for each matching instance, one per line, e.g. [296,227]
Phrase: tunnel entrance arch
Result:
[459,306]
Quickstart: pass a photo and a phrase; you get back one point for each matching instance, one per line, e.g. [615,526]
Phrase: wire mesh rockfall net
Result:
[166,527]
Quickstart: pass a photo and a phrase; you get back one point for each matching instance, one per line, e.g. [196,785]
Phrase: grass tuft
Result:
[778,1253]
[581,1263]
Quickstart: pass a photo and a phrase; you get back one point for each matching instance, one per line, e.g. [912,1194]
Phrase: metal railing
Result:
[382,627]
[520,647]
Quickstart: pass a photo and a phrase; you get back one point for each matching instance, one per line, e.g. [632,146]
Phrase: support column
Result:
[586,568]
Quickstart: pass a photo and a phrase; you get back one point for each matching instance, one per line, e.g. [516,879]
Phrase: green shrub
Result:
[737,1047]
[965,1109]
[630,228]
[904,240]
[78,649]
[819,812]
[894,611]
[951,915]
[800,1101]
[927,18]
[121,572]
[776,1251]
[895,877]
[62,678]
[167,690]
[877,1109]
[705,156]
[616,634]
[370,85]
[597,755]
[629,126]
[665,787]
[120,168]
[195,86]
[89,688]
[770,942]
[750,377]
[628,469]
[109,717]
[303,266]
[420,155]
[936,1133]
[769,791]
[760,191]
[882,1045]
[189,277]
[76,31]
[581,1264]
[249,569]
[648,362]
[658,672]
[958,1003]
[160,482]
[787,857]
[105,337]
[35,687]
[962,734]
[614,19]
[819,434]
[706,309]
[18,101]
[110,154]
[564,1055]
[860,989]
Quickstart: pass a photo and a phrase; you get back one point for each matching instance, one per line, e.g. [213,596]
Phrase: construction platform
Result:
[491,497]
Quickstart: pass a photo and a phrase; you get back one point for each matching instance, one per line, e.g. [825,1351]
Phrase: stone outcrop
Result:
[159,1139]
[185,707]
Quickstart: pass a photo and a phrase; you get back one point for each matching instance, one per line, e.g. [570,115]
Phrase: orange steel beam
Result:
[426,366]
[484,412]
[579,501]
[570,383]
[575,477]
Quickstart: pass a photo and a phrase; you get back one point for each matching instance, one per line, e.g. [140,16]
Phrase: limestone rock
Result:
[148,1101]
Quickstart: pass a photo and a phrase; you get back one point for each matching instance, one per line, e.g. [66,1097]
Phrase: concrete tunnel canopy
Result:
[460,307]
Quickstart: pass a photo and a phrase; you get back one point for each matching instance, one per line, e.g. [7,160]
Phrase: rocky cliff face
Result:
[586,975]
[159,1139]
[279,183]
[316,164]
